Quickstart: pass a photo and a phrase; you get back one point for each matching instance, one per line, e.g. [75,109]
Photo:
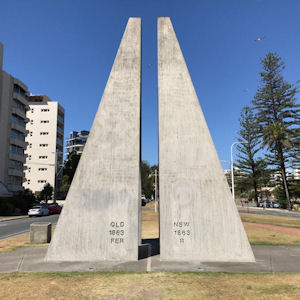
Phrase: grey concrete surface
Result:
[9,228]
[273,259]
[40,233]
[270,212]
[198,218]
[100,218]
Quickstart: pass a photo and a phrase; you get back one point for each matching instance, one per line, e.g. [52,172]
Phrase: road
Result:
[270,212]
[19,226]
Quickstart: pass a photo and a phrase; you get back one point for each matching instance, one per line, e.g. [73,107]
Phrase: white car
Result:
[38,210]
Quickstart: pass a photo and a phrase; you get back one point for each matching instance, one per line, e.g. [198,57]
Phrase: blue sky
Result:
[65,49]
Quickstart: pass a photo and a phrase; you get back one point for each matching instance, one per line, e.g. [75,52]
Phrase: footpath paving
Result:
[272,259]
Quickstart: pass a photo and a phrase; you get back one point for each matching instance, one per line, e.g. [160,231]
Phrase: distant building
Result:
[76,141]
[276,176]
[297,174]
[45,142]
[13,107]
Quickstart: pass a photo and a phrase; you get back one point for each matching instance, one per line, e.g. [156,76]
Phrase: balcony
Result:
[60,131]
[18,127]
[15,141]
[18,112]
[20,98]
[60,119]
[59,141]
[15,188]
[17,157]
[15,172]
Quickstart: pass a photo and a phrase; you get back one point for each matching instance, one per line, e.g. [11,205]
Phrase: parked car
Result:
[276,204]
[143,202]
[38,210]
[262,203]
[54,208]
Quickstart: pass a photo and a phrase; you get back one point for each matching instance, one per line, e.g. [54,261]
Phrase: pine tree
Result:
[278,117]
[249,146]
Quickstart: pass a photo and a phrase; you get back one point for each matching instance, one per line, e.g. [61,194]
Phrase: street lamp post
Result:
[155,195]
[231,163]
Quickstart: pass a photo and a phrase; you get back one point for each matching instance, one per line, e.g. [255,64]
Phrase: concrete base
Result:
[40,233]
[273,259]
[198,218]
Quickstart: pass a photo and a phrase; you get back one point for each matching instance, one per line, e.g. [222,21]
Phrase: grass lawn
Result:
[272,220]
[264,236]
[150,229]
[160,285]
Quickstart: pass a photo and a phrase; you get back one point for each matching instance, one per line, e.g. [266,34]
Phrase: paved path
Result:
[14,227]
[274,227]
[270,211]
[273,259]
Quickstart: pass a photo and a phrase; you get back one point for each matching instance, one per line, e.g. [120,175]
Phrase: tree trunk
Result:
[255,192]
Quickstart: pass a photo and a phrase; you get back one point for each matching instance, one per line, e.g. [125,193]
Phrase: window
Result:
[43,157]
[45,109]
[31,122]
[29,169]
[28,181]
[14,164]
[30,133]
[18,120]
[42,169]
[42,181]
[15,180]
[30,145]
[18,105]
[17,135]
[16,150]
[29,157]
[32,110]
[44,133]
[44,121]
[19,90]
[43,145]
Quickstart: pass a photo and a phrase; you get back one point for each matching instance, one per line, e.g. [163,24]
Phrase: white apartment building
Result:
[76,141]
[45,143]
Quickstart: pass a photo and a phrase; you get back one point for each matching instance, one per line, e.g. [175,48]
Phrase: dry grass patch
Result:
[160,285]
[14,242]
[150,228]
[272,220]
[264,236]
[18,241]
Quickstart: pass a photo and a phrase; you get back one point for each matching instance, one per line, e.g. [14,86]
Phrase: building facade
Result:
[76,141]
[13,108]
[297,174]
[45,143]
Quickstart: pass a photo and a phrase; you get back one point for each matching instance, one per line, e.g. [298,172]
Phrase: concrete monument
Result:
[198,218]
[100,220]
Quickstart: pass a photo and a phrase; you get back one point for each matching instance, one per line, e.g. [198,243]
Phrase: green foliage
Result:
[147,178]
[18,204]
[46,193]
[254,168]
[277,117]
[71,166]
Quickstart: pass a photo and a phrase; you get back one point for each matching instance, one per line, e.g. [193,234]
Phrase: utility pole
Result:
[155,194]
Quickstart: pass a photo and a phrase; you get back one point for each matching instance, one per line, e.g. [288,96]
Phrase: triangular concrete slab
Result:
[100,219]
[198,218]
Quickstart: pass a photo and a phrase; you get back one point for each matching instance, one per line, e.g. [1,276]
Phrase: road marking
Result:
[149,264]
[13,234]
